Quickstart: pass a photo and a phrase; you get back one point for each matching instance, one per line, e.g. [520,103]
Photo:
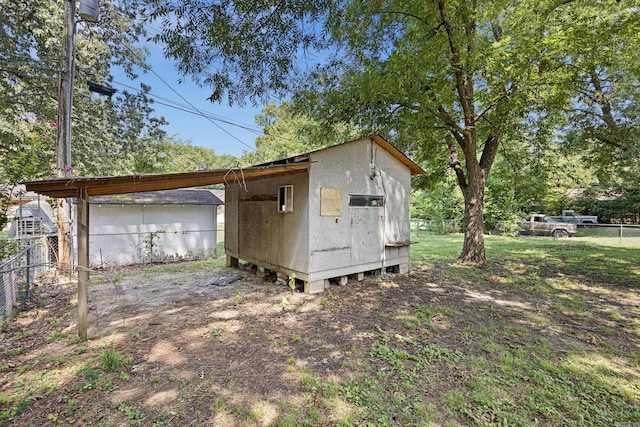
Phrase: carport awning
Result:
[102,186]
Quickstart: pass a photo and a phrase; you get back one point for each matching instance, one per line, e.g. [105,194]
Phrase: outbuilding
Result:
[346,214]
[152,226]
[331,213]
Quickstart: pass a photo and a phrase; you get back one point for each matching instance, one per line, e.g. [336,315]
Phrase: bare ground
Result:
[237,354]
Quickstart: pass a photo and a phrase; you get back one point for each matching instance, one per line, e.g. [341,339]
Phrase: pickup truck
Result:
[542,225]
[570,216]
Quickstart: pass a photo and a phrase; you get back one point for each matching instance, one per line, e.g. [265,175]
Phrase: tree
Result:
[603,121]
[454,79]
[178,156]
[287,133]
[242,50]
[450,80]
[109,135]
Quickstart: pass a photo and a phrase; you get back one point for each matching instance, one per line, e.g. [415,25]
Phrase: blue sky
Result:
[214,133]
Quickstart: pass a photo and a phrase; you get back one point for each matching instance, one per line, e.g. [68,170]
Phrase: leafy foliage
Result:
[479,89]
[109,136]
[601,47]
[240,49]
[178,156]
[287,133]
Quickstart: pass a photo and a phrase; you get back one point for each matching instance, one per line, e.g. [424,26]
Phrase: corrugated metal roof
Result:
[109,185]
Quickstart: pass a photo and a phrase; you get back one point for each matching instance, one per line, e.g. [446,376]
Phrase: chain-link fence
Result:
[18,272]
[611,234]
[434,226]
[604,234]
[118,249]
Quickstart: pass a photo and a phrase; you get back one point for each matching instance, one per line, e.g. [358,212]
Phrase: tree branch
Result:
[607,111]
[461,83]
[489,153]
[454,163]
[410,15]
[508,92]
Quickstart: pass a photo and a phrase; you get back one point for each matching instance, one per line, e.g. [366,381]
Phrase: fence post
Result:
[83,261]
[28,291]
[621,232]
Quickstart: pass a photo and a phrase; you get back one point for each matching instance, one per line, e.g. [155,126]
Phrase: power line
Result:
[189,103]
[182,107]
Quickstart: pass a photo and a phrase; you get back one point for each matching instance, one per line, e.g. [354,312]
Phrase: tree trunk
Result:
[473,249]
[473,184]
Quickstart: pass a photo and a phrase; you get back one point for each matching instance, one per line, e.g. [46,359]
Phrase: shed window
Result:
[285,198]
[366,200]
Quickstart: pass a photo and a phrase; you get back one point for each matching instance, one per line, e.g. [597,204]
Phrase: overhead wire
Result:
[183,107]
[188,107]
[189,103]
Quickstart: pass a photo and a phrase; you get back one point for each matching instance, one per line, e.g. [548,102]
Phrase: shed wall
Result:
[256,232]
[130,234]
[355,240]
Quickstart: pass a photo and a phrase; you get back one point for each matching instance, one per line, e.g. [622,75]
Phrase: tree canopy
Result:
[110,135]
[458,83]
[288,132]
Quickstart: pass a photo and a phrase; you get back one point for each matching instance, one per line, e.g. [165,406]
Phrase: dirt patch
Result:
[253,352]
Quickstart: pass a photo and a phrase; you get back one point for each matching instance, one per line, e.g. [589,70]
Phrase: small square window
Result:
[285,198]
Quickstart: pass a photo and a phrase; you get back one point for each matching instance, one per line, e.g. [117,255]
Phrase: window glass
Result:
[366,200]
[285,198]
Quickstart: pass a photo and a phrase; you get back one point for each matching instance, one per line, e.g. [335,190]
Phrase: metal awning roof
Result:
[110,185]
[102,186]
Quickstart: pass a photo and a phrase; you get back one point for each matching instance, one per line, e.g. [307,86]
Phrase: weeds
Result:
[111,360]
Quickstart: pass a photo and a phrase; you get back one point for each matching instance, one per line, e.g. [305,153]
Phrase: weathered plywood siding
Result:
[256,232]
[355,240]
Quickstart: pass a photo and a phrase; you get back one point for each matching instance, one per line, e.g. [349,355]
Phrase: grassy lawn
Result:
[559,341]
[547,334]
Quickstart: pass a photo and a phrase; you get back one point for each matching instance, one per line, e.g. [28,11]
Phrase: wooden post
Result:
[232,261]
[63,137]
[83,262]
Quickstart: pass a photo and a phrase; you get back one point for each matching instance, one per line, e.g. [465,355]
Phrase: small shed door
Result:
[366,235]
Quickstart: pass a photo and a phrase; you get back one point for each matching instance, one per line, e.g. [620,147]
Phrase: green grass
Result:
[112,360]
[561,359]
[545,334]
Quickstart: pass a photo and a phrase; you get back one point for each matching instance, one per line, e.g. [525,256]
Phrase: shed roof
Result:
[109,185]
[380,141]
[182,196]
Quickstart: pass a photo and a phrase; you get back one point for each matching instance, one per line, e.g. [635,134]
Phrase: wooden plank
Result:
[83,262]
[398,244]
[330,202]
[102,186]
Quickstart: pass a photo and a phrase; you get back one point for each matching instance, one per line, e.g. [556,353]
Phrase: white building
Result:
[345,214]
[152,226]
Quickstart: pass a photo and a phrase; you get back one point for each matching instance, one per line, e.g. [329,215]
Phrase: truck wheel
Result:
[560,234]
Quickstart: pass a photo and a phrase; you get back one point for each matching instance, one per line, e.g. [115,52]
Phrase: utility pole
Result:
[63,141]
[89,10]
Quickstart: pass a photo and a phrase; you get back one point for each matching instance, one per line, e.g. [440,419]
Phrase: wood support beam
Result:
[83,262]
